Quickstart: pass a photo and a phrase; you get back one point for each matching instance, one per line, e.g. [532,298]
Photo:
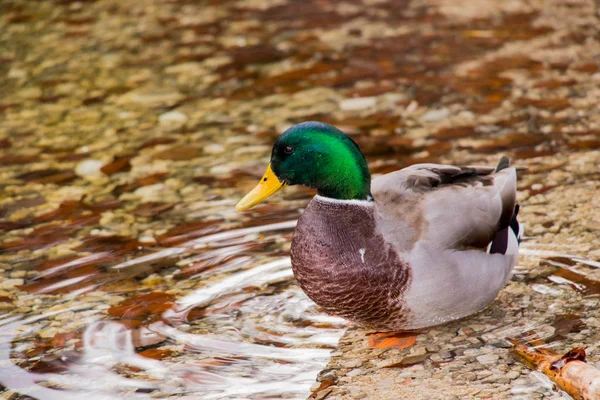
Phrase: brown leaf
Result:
[456,132]
[142,305]
[576,354]
[152,209]
[28,202]
[41,238]
[590,68]
[579,282]
[555,83]
[188,231]
[14,159]
[75,211]
[556,104]
[48,176]
[565,324]
[204,179]
[119,164]
[179,153]
[72,157]
[143,337]
[589,144]
[58,286]
[5,143]
[59,340]
[259,54]
[156,354]
[55,363]
[115,243]
[156,142]
[145,181]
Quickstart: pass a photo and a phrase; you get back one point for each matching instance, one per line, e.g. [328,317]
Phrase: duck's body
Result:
[417,255]
[418,247]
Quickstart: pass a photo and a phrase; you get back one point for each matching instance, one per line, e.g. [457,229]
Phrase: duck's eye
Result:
[288,150]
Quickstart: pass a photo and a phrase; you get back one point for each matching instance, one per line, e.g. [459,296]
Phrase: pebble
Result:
[513,375]
[487,358]
[353,364]
[11,283]
[48,332]
[469,376]
[18,274]
[354,372]
[323,393]
[257,149]
[89,168]
[522,389]
[402,361]
[357,104]
[154,192]
[172,119]
[435,115]
[30,93]
[214,148]
[153,97]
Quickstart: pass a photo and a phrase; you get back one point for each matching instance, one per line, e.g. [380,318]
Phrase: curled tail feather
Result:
[507,240]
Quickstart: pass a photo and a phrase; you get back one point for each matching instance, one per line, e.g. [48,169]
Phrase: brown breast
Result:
[344,265]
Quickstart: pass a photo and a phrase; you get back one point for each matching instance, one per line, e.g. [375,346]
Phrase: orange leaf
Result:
[156,354]
[396,340]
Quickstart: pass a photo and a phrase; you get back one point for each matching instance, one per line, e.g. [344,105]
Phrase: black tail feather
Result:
[514,224]
[503,163]
[500,243]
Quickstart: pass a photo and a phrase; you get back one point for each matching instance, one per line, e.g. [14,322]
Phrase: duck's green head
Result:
[316,155]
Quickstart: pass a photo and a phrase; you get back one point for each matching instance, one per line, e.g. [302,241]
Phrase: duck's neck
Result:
[330,202]
[346,179]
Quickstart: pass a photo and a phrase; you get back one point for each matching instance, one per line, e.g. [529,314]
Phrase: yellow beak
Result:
[269,184]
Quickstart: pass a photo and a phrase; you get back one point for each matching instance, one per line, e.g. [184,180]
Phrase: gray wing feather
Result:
[454,207]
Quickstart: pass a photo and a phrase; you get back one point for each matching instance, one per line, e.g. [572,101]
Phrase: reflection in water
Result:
[247,333]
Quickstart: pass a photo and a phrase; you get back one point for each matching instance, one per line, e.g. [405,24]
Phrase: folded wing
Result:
[453,207]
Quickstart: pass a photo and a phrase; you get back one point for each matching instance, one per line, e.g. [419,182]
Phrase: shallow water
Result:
[248,332]
[131,128]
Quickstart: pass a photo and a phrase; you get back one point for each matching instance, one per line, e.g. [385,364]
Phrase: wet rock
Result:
[214,148]
[152,97]
[322,394]
[11,283]
[358,104]
[30,93]
[89,168]
[353,364]
[172,119]
[513,375]
[435,115]
[354,372]
[490,358]
[400,362]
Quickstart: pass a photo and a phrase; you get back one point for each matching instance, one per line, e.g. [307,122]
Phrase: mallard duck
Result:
[413,248]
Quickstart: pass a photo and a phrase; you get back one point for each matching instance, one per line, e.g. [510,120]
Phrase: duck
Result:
[414,248]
